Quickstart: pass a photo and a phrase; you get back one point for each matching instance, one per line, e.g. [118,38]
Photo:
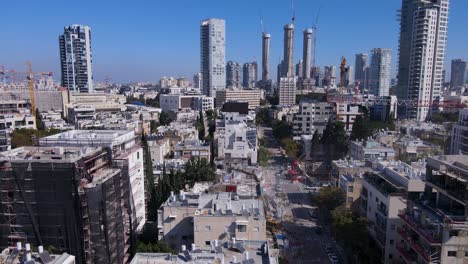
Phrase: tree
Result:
[293,149]
[330,198]
[24,136]
[164,118]
[154,126]
[263,117]
[150,189]
[361,129]
[281,130]
[315,145]
[335,140]
[201,126]
[263,156]
[39,122]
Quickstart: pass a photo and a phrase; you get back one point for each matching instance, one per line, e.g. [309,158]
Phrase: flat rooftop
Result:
[87,137]
[48,154]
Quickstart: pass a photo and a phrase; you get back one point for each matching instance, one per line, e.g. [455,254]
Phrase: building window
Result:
[350,188]
[242,228]
[451,254]
[138,155]
[207,243]
[391,241]
[207,228]
[453,233]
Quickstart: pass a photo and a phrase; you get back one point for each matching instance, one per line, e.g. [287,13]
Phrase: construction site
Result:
[68,199]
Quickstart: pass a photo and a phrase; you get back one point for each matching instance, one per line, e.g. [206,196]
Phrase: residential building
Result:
[189,148]
[177,102]
[76,59]
[347,113]
[183,82]
[459,142]
[361,70]
[412,149]
[159,146]
[213,55]
[380,72]
[458,73]
[200,219]
[287,91]
[14,114]
[167,82]
[126,154]
[312,116]
[423,37]
[384,194]
[351,185]
[329,78]
[46,100]
[251,96]
[355,168]
[349,76]
[20,254]
[76,202]
[233,74]
[236,134]
[435,224]
[250,75]
[384,108]
[299,69]
[370,150]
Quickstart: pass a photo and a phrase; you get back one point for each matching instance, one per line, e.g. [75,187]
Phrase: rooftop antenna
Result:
[293,12]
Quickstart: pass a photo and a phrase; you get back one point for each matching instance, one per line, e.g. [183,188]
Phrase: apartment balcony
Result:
[408,257]
[411,222]
[414,245]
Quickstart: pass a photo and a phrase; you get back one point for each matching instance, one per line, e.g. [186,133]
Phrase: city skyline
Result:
[146,56]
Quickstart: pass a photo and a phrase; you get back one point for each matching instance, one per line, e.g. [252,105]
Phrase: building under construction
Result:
[71,199]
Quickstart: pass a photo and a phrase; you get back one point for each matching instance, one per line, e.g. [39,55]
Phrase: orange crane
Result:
[30,77]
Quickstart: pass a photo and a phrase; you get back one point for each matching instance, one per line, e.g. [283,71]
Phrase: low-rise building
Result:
[370,150]
[201,219]
[412,149]
[176,102]
[312,116]
[25,254]
[459,142]
[189,148]
[435,224]
[159,146]
[347,167]
[351,186]
[236,134]
[251,96]
[347,113]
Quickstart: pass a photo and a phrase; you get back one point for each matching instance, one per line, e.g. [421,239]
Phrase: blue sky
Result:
[144,40]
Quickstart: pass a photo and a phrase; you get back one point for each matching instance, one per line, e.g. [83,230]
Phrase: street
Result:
[290,204]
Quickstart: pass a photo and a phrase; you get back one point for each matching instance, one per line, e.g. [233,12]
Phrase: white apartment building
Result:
[380,72]
[383,196]
[312,116]
[127,155]
[459,143]
[200,219]
[76,59]
[251,96]
[236,135]
[423,37]
[176,102]
[287,91]
[370,150]
[347,113]
[213,55]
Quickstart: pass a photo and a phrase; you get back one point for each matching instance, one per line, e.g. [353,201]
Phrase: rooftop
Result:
[86,137]
[55,154]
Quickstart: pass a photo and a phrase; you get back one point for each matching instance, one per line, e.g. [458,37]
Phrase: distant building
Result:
[347,113]
[458,73]
[213,55]
[197,80]
[183,82]
[189,148]
[76,59]
[299,69]
[384,108]
[361,70]
[459,142]
[351,185]
[159,146]
[312,116]
[251,96]
[287,91]
[233,74]
[370,150]
[412,149]
[176,102]
[329,76]
[201,220]
[435,223]
[167,82]
[250,75]
[380,72]
[23,253]
[287,68]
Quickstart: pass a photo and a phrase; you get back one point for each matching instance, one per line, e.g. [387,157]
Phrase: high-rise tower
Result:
[458,73]
[213,55]
[233,74]
[76,59]
[306,53]
[423,36]
[288,56]
[379,72]
[361,70]
[265,57]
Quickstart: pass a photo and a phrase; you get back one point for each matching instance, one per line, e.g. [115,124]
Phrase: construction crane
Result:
[30,77]
[293,13]
[343,71]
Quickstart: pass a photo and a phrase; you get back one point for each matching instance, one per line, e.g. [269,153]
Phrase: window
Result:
[350,188]
[207,228]
[138,155]
[466,254]
[453,233]
[207,243]
[350,199]
[391,241]
[242,228]
[451,253]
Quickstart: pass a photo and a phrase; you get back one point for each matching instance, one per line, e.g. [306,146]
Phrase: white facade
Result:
[176,102]
[127,154]
[213,55]
[370,150]
[423,37]
[379,72]
[311,116]
[76,59]
[287,91]
[347,113]
[459,143]
[236,139]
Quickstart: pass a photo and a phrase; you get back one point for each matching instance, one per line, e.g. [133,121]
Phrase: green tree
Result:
[263,156]
[335,140]
[24,136]
[293,149]
[361,129]
[39,122]
[201,126]
[150,189]
[263,117]
[164,118]
[315,145]
[330,198]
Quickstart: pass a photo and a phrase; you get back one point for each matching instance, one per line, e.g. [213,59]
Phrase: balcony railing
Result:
[419,229]
[415,245]
[407,256]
